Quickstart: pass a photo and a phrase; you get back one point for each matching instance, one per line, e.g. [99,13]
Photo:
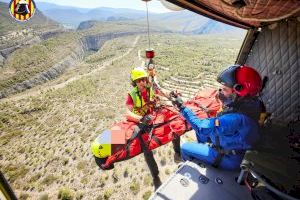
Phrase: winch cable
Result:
[148,22]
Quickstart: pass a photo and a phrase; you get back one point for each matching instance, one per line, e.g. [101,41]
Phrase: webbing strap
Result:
[141,100]
[140,97]
[136,132]
[127,150]
[217,160]
[164,123]
[217,145]
[156,140]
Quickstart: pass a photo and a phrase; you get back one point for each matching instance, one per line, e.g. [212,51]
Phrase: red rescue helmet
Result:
[243,79]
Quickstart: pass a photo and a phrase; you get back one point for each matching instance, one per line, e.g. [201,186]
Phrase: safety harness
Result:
[140,107]
[247,107]
[218,148]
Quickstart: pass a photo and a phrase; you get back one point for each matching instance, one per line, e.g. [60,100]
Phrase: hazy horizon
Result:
[153,6]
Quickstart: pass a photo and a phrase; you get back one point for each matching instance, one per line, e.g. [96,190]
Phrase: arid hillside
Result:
[46,130]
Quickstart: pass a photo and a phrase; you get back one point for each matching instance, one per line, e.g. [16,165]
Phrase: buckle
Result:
[217,123]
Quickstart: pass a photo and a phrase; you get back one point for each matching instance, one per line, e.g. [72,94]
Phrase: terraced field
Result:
[191,63]
[189,86]
[45,132]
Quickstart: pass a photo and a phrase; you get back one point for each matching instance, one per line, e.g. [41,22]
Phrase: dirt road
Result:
[36,92]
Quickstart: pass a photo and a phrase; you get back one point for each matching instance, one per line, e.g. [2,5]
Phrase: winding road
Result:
[105,64]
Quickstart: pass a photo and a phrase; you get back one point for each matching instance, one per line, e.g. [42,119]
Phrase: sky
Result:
[153,5]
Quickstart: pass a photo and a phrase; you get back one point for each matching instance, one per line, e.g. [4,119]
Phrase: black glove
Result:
[146,119]
[178,102]
[144,124]
[174,94]
[142,127]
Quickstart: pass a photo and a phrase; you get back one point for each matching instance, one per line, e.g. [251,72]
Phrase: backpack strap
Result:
[217,146]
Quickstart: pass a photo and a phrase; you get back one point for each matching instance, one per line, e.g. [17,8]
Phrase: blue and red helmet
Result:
[244,80]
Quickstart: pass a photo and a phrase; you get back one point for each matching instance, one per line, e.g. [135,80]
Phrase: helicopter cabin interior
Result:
[272,46]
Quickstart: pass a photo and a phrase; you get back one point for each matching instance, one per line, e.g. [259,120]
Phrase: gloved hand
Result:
[146,120]
[178,102]
[174,94]
[144,124]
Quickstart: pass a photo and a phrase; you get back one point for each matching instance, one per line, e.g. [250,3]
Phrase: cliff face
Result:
[52,73]
[85,44]
[86,25]
[95,42]
[16,40]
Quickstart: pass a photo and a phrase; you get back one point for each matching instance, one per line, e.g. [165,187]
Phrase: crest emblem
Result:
[22,10]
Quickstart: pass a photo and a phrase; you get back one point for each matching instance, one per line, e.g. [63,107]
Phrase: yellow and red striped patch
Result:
[22,17]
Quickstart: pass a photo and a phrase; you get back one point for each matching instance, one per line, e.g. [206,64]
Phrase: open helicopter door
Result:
[197,181]
[6,192]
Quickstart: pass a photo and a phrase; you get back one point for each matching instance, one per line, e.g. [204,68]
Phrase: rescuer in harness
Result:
[139,105]
[223,140]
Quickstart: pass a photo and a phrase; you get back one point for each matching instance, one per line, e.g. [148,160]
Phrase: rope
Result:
[148,25]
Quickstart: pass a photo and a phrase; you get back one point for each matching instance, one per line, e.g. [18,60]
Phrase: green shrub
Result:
[147,194]
[65,194]
[48,180]
[79,196]
[16,172]
[107,193]
[167,171]
[163,161]
[84,180]
[126,172]
[81,165]
[35,177]
[65,161]
[24,196]
[135,187]
[147,180]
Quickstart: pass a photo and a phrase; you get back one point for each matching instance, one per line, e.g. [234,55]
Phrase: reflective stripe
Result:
[138,101]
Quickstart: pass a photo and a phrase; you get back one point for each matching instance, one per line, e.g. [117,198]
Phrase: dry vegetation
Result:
[25,63]
[45,138]
[190,63]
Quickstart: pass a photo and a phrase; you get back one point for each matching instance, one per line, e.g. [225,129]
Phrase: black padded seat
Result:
[276,160]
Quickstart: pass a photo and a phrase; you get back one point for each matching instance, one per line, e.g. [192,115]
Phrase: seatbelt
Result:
[217,146]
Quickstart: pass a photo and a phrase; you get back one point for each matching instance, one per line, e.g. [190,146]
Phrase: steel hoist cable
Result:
[148,29]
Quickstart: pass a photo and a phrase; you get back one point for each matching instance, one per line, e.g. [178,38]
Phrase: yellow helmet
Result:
[99,149]
[138,73]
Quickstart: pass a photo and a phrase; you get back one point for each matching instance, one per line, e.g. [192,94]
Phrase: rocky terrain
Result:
[61,88]
[46,131]
[180,22]
[14,35]
[33,56]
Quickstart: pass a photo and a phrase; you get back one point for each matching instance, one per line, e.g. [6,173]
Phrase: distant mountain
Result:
[212,26]
[73,15]
[181,21]
[50,6]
